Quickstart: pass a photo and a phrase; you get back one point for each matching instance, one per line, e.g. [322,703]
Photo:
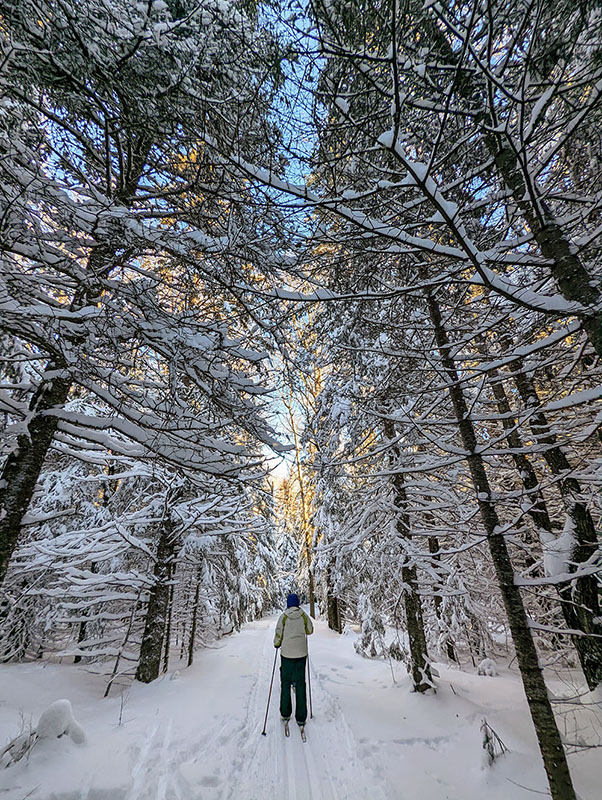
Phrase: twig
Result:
[526,788]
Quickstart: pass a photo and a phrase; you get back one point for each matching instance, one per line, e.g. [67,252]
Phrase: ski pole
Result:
[265,722]
[311,713]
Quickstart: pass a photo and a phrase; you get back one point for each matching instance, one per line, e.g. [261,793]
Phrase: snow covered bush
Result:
[487,667]
[493,746]
[55,722]
[203,550]
[371,642]
[17,748]
[58,720]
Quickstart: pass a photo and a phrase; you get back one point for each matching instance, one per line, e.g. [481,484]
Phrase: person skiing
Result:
[292,629]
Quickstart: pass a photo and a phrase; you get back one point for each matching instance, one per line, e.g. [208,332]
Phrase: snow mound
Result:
[57,721]
[487,667]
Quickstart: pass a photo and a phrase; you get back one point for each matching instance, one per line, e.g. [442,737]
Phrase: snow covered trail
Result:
[196,734]
[327,767]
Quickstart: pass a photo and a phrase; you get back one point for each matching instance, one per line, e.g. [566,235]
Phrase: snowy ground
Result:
[197,737]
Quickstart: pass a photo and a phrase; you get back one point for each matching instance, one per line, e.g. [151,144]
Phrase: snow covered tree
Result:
[435,155]
[447,252]
[124,565]
[122,239]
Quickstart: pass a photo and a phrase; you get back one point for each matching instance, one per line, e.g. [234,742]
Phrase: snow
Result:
[387,138]
[57,721]
[342,104]
[487,667]
[539,109]
[558,551]
[575,399]
[199,736]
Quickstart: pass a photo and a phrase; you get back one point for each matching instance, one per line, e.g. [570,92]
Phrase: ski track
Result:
[156,772]
[329,766]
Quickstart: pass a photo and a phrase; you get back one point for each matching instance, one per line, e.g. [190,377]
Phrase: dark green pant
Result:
[292,673]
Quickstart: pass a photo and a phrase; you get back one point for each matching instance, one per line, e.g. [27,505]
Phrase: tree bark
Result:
[537,510]
[151,647]
[580,598]
[548,736]
[572,278]
[333,613]
[420,663]
[333,609]
[195,613]
[22,467]
[434,551]
[311,587]
[167,636]
[588,648]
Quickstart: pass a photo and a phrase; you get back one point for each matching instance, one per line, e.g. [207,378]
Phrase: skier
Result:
[292,630]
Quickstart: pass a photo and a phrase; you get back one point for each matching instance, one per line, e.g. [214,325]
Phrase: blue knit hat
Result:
[292,600]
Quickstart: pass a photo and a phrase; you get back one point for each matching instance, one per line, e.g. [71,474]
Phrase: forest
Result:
[304,295]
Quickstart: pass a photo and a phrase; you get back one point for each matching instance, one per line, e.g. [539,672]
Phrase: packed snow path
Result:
[196,735]
[327,767]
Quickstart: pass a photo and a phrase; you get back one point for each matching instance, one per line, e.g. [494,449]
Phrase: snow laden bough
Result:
[55,722]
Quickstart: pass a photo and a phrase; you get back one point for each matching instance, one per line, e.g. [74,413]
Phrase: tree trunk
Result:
[548,736]
[195,612]
[167,637]
[434,551]
[185,619]
[151,647]
[573,280]
[22,467]
[537,510]
[580,598]
[333,610]
[589,648]
[311,587]
[333,613]
[420,666]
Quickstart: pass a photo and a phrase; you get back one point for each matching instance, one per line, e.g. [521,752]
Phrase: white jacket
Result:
[292,630]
